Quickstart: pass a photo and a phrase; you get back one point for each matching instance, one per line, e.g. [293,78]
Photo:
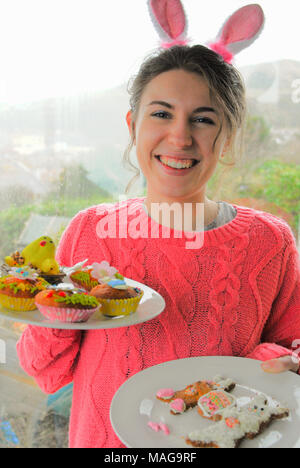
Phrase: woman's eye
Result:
[161,114]
[204,120]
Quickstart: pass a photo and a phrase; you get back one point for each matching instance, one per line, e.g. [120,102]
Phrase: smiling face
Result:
[174,133]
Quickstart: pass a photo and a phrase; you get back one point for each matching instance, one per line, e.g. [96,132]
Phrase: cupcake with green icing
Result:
[89,276]
[66,305]
[84,279]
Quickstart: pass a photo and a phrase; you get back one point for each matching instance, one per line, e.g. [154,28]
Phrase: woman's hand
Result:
[282,364]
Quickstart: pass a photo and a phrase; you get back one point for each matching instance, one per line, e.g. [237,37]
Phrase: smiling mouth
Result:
[179,164]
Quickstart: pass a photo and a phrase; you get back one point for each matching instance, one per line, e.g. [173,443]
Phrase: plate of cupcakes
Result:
[35,290]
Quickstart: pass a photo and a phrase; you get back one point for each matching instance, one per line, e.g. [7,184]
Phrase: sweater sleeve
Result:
[281,335]
[50,355]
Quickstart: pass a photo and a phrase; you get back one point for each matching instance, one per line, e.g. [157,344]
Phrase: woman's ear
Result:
[226,147]
[227,144]
[130,124]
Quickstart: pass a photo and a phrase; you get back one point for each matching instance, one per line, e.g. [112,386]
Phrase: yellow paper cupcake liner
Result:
[16,303]
[116,307]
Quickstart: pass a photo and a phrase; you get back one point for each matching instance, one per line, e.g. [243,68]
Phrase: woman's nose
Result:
[180,135]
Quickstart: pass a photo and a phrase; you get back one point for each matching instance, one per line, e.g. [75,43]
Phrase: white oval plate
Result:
[134,404]
[151,305]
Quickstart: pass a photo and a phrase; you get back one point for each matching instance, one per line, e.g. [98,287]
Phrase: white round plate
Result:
[134,404]
[151,305]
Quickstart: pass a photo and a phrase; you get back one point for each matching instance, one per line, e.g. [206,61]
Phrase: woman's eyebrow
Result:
[196,111]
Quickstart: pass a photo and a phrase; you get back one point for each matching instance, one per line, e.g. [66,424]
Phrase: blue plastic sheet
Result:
[8,433]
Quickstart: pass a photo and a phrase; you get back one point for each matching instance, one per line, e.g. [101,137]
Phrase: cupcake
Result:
[66,305]
[90,276]
[115,296]
[116,302]
[19,287]
[84,279]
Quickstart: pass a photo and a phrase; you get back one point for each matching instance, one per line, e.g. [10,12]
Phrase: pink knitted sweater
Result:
[237,295]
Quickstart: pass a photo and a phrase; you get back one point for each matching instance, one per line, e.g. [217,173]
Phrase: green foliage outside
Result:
[273,181]
[280,184]
[74,182]
[72,193]
[12,220]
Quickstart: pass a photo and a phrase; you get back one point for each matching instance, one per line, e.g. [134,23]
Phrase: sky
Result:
[54,48]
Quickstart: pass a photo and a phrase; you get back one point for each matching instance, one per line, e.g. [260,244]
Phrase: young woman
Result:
[236,294]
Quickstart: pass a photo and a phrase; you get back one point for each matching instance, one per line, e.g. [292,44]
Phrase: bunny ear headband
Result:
[239,31]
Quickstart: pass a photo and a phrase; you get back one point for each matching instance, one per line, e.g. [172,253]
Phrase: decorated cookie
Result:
[191,394]
[238,424]
[177,406]
[213,404]
[165,394]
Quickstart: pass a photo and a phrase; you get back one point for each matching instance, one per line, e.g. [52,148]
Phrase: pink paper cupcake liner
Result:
[59,314]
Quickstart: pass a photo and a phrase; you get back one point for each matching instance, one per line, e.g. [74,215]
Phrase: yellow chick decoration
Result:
[40,254]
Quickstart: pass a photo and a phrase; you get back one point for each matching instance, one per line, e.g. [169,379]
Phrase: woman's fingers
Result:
[282,364]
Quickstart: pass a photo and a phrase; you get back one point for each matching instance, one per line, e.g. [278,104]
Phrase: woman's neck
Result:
[187,215]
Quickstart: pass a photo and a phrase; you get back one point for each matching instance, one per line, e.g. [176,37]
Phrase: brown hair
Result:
[226,85]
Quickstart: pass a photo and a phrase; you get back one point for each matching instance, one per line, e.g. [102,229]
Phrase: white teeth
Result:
[184,164]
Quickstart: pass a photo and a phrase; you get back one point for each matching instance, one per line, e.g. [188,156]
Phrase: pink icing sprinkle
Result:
[165,393]
[164,428]
[159,427]
[177,405]
[154,426]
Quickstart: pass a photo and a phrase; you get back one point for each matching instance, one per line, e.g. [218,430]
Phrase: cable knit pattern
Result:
[237,295]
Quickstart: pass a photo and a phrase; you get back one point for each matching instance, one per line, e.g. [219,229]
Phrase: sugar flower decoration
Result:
[24,273]
[103,272]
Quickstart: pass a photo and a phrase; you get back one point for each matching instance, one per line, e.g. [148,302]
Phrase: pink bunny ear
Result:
[239,31]
[170,21]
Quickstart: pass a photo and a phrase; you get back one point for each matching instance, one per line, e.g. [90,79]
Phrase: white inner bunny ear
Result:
[244,25]
[168,18]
